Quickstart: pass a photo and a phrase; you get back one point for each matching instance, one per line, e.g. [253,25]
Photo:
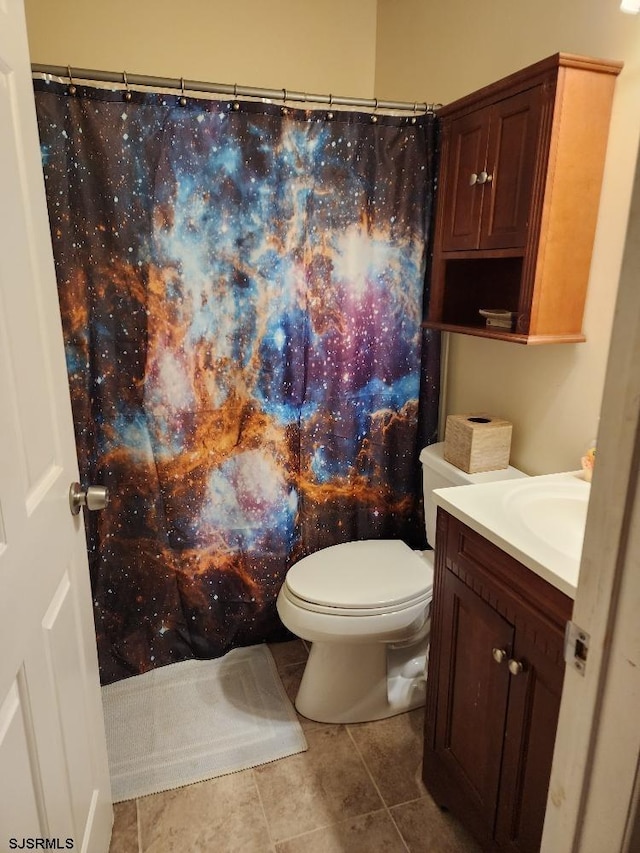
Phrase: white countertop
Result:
[537,520]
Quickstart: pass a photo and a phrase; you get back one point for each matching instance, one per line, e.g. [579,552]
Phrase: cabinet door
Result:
[472,704]
[532,718]
[510,165]
[465,152]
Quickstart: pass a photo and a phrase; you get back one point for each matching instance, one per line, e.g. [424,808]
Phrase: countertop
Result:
[539,521]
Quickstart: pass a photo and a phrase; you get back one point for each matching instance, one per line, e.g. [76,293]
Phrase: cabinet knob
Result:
[473,179]
[484,178]
[515,667]
[499,655]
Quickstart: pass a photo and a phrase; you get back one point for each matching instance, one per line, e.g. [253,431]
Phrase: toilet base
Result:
[363,682]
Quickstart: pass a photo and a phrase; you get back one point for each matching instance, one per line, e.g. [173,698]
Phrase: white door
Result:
[54,781]
[594,795]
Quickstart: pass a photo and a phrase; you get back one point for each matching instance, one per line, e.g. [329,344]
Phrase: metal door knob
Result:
[485,178]
[473,179]
[93,497]
[499,655]
[515,667]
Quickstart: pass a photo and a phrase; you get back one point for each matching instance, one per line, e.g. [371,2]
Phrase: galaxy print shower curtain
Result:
[241,294]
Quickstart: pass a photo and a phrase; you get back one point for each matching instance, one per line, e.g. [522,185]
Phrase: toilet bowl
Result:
[365,608]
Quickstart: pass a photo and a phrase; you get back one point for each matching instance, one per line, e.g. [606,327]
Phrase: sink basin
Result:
[555,513]
[540,521]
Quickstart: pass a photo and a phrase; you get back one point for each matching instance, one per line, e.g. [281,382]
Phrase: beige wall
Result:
[324,46]
[438,50]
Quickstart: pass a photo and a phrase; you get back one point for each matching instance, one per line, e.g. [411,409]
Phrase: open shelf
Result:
[483,332]
[472,284]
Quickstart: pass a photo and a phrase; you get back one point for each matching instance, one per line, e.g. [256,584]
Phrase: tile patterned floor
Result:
[356,790]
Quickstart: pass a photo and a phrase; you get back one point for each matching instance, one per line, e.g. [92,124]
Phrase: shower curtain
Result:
[241,290]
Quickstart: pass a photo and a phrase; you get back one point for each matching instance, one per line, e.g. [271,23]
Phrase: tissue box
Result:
[477,442]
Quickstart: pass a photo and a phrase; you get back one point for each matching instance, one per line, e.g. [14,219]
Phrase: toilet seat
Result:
[363,578]
[353,611]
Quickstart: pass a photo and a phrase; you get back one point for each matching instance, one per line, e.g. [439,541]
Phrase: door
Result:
[514,142]
[473,689]
[54,781]
[490,157]
[594,795]
[532,717]
[465,156]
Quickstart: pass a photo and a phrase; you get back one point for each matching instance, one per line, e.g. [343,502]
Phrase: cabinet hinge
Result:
[576,647]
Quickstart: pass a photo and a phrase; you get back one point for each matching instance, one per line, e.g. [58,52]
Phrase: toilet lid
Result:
[366,574]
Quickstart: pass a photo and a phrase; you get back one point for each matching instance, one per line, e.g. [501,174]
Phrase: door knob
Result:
[499,655]
[473,179]
[93,497]
[484,178]
[515,667]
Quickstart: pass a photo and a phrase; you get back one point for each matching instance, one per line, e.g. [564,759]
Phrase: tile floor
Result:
[356,790]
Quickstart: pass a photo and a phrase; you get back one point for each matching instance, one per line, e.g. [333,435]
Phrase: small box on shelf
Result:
[498,318]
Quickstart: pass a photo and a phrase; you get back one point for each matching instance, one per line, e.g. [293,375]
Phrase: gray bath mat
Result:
[196,720]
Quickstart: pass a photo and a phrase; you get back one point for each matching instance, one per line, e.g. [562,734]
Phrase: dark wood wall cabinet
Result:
[494,682]
[518,193]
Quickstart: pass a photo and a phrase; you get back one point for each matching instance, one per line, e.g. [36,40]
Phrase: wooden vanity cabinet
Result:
[518,193]
[494,682]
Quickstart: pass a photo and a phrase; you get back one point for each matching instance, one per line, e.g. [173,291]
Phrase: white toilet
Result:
[365,608]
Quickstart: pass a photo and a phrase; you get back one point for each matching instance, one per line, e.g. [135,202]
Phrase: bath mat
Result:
[196,720]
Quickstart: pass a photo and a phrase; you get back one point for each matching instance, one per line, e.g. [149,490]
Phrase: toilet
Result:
[365,608]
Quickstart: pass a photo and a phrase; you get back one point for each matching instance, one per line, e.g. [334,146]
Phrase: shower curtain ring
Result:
[283,109]
[71,88]
[413,118]
[330,113]
[182,100]
[235,105]
[127,91]
[374,117]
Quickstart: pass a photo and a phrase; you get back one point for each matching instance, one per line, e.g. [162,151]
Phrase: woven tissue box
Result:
[477,442]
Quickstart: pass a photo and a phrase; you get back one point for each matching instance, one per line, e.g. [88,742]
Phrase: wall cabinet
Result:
[491,157]
[518,193]
[493,689]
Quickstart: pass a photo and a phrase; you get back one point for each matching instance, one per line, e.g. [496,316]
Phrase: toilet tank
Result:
[438,474]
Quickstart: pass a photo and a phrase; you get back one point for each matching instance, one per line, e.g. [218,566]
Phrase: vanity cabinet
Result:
[493,689]
[518,193]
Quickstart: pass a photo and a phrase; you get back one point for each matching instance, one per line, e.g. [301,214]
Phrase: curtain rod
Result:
[126,79]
